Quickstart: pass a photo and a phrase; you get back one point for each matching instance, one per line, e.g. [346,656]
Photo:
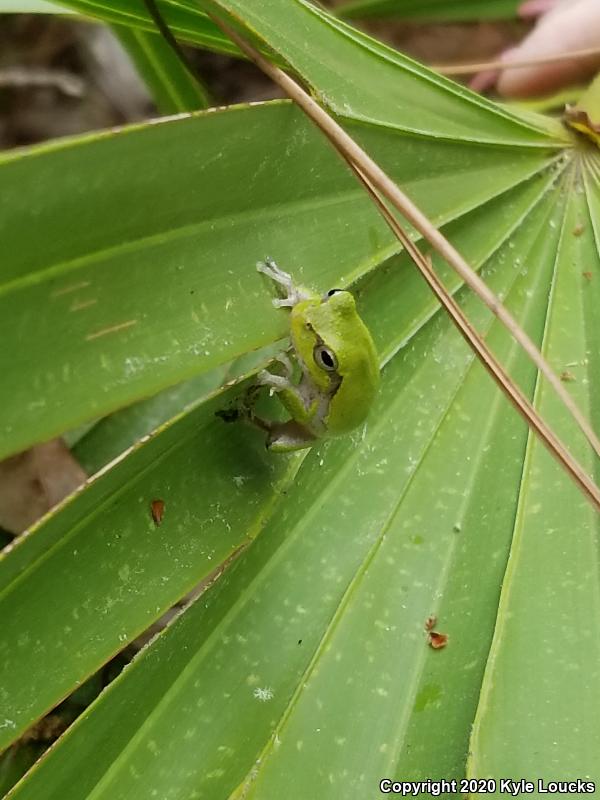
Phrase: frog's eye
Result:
[325,358]
[331,292]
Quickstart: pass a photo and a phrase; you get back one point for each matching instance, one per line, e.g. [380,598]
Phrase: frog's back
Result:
[358,366]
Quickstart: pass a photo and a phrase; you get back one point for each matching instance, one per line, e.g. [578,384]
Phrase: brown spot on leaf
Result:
[587,276]
[111,329]
[567,377]
[157,507]
[437,640]
[430,623]
[578,229]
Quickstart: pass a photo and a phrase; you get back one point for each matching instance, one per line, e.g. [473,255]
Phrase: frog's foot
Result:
[288,436]
[269,268]
[282,437]
[276,383]
[293,294]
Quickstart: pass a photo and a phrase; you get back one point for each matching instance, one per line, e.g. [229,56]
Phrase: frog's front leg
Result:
[303,409]
[281,436]
[285,361]
[293,294]
[274,380]
[301,406]
[276,383]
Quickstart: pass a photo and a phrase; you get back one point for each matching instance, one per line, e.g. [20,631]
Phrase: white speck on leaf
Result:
[263,694]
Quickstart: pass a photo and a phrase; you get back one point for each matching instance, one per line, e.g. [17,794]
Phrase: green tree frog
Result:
[337,371]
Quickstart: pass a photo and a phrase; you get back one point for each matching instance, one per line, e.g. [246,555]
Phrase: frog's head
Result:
[332,340]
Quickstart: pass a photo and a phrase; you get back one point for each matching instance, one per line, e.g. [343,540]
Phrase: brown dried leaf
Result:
[33,482]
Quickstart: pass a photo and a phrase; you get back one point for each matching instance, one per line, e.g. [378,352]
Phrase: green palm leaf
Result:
[305,667]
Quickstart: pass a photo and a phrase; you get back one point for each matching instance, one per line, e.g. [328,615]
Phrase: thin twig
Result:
[499,64]
[353,153]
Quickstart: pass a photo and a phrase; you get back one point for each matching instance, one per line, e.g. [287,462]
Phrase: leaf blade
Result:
[136,304]
[172,86]
[313,524]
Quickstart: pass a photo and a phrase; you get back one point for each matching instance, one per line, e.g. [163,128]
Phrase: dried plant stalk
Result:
[499,64]
[487,358]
